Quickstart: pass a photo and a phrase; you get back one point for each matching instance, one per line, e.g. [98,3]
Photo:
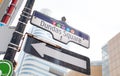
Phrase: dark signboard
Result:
[57,55]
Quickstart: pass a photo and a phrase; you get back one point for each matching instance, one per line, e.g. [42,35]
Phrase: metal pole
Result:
[13,46]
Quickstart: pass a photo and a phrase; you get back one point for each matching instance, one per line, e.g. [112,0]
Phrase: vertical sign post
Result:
[13,46]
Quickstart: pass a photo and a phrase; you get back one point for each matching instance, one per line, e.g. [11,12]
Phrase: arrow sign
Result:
[57,55]
[42,49]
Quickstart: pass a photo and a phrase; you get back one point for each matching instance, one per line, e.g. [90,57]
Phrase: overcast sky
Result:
[100,19]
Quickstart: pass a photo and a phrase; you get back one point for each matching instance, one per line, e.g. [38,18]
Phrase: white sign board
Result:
[60,30]
[42,49]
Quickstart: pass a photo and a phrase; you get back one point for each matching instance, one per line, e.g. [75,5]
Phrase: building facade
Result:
[96,68]
[114,55]
[111,57]
[105,60]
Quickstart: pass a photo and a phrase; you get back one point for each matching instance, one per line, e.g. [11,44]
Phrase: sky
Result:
[100,19]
